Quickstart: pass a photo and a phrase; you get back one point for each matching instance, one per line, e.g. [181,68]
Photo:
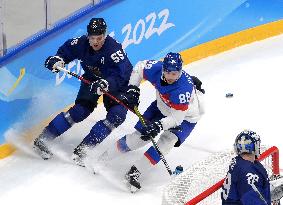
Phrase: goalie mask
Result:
[247,142]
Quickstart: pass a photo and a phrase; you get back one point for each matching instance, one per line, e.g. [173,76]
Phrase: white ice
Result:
[253,73]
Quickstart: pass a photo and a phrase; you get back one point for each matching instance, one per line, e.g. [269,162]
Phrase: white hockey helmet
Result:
[247,142]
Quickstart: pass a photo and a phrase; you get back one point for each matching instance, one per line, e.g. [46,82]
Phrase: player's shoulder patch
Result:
[149,64]
[236,167]
[233,163]
[77,41]
[187,78]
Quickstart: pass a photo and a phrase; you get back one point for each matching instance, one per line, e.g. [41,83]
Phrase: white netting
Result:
[200,176]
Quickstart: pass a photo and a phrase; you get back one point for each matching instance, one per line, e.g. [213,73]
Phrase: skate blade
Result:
[132,188]
[43,155]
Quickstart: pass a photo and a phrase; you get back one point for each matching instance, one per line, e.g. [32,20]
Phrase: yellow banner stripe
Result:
[232,41]
[6,150]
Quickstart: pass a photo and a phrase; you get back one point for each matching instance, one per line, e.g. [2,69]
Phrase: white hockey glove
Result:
[276,189]
[52,62]
[99,86]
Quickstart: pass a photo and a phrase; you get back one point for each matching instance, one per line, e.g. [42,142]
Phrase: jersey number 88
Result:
[185,98]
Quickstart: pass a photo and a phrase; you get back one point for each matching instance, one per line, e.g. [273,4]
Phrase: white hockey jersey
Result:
[178,101]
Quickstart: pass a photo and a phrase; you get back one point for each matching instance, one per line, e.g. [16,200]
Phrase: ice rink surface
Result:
[253,73]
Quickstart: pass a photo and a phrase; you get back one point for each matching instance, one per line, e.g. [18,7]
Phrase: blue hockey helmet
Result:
[96,26]
[172,62]
[247,142]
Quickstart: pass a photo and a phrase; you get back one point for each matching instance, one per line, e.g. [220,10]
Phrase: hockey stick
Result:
[81,78]
[153,141]
[135,111]
[251,181]
[259,194]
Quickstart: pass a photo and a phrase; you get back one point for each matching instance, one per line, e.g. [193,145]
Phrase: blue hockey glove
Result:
[132,97]
[99,86]
[52,62]
[152,129]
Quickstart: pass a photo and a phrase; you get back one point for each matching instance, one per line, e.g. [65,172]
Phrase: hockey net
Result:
[201,183]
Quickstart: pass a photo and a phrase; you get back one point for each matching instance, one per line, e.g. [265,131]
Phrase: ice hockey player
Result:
[106,65]
[176,110]
[246,182]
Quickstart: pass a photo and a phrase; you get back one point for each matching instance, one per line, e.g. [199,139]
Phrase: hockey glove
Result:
[52,62]
[132,97]
[152,129]
[99,86]
[198,84]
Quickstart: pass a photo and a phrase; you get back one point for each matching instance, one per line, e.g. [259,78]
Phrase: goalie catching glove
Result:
[52,62]
[131,97]
[152,129]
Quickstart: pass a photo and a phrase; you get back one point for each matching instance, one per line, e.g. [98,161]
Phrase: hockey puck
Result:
[178,170]
[229,95]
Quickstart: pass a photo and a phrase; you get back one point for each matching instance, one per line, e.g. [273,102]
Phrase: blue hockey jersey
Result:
[110,62]
[244,179]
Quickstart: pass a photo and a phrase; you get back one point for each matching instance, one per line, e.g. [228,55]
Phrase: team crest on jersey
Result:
[252,178]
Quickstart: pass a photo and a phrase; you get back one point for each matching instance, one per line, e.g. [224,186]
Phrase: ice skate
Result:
[79,155]
[132,177]
[40,147]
